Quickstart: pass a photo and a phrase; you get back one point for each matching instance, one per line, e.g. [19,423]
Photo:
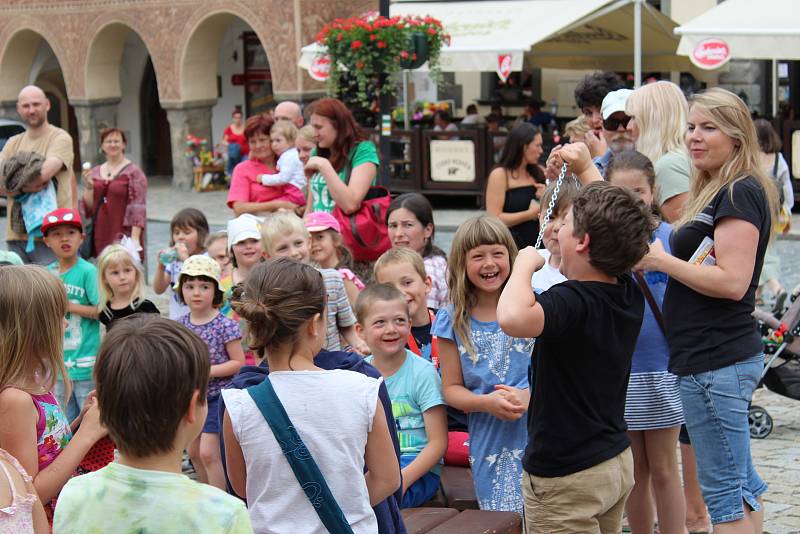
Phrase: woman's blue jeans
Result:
[715,405]
[234,157]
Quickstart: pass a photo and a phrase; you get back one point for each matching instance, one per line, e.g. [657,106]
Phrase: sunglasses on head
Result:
[614,121]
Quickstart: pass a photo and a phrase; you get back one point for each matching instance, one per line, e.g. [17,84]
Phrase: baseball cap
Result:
[8,257]
[614,102]
[61,216]
[201,265]
[245,226]
[317,221]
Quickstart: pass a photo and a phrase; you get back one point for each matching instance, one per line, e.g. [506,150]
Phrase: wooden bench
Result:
[438,501]
[481,522]
[458,488]
[421,520]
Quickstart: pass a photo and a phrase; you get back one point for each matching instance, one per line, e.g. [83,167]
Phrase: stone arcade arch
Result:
[17,63]
[201,82]
[118,66]
[190,47]
[29,57]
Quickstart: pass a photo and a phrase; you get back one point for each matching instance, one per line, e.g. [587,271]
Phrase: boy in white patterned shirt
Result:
[283,235]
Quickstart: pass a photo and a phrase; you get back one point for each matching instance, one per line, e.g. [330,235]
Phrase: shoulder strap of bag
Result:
[349,167]
[775,165]
[299,457]
[650,300]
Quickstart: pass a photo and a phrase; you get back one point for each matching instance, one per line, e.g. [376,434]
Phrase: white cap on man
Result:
[614,102]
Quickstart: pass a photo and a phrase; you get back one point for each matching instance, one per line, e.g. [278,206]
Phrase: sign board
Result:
[796,153]
[452,161]
[504,67]
[320,68]
[251,76]
[711,54]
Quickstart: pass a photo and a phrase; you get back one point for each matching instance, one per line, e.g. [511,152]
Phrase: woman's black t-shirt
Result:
[706,333]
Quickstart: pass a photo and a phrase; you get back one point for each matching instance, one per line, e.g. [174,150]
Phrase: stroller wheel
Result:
[760,422]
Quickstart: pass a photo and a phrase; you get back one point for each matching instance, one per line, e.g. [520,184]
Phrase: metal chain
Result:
[552,204]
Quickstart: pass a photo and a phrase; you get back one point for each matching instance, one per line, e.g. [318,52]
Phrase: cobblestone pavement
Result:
[777,459]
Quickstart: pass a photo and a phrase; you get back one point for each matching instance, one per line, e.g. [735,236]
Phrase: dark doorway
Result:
[258,78]
[54,115]
[156,145]
[54,118]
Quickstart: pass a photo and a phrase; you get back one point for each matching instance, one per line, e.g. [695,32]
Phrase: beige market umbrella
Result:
[572,34]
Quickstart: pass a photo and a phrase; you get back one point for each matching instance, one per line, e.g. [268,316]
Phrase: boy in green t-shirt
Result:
[63,234]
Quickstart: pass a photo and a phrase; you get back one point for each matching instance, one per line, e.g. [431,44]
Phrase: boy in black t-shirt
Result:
[579,468]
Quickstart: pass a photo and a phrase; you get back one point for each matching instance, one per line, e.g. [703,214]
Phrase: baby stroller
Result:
[781,335]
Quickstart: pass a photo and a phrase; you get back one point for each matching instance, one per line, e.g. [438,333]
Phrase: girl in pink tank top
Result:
[35,430]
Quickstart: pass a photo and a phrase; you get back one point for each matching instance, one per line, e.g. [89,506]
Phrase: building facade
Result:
[158,69]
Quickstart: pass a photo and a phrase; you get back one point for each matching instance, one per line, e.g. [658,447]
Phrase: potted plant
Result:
[370,46]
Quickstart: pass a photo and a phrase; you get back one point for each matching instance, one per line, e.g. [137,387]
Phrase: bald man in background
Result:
[289,111]
[56,146]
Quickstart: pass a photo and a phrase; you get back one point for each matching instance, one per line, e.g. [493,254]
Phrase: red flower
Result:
[381,44]
[431,31]
[339,36]
[359,64]
[414,56]
[355,45]
[404,54]
[372,37]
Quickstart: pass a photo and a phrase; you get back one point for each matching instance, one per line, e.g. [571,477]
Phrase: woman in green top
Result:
[345,163]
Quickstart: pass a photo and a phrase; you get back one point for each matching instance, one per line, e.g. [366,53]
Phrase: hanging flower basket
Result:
[367,47]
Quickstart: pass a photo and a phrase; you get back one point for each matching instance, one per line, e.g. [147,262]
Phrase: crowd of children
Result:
[308,401]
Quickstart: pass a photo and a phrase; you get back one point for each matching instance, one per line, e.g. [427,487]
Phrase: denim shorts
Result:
[421,491]
[715,405]
[211,426]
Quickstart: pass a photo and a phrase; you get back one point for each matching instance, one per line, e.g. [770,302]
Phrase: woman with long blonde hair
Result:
[485,371]
[658,124]
[658,127]
[719,244]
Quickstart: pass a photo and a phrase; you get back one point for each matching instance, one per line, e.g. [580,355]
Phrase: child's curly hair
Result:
[619,225]
[278,297]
